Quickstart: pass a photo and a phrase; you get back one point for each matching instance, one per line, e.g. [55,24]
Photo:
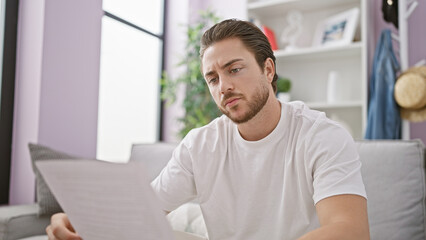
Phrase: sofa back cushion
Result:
[46,201]
[394,178]
[155,156]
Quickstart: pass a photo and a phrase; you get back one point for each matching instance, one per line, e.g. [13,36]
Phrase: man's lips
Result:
[231,102]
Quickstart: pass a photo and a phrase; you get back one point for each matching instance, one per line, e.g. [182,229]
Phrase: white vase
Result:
[284,96]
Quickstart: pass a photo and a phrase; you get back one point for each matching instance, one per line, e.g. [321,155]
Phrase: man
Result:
[266,169]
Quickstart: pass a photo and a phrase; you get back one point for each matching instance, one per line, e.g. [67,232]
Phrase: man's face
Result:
[238,85]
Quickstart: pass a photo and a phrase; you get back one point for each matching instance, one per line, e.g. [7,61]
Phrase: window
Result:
[131,65]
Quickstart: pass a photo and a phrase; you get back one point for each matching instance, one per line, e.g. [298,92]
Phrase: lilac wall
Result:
[417,43]
[70,75]
[417,46]
[56,94]
[27,98]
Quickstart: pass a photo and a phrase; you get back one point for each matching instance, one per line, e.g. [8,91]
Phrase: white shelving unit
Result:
[308,67]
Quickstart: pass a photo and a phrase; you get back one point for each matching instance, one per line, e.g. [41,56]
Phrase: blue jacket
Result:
[384,121]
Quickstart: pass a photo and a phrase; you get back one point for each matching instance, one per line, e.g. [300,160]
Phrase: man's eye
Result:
[212,80]
[235,70]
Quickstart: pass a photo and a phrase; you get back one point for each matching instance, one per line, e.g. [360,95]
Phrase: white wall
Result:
[227,9]
[56,85]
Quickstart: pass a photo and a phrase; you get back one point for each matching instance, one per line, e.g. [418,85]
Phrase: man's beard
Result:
[259,100]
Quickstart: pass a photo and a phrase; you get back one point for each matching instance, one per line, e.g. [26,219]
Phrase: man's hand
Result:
[60,228]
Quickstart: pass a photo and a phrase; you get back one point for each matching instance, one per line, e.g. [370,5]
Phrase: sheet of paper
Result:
[106,200]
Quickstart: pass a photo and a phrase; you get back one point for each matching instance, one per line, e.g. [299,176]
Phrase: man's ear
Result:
[269,69]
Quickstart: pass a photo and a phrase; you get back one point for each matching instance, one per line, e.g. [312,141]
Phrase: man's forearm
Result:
[338,231]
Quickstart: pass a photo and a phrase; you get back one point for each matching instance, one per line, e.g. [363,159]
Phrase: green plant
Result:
[199,106]
[283,85]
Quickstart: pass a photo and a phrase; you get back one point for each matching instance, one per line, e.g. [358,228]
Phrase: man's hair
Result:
[251,36]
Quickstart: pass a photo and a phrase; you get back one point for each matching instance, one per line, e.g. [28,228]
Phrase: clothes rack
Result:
[405,9]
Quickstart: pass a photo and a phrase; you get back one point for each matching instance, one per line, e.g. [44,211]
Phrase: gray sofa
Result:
[393,173]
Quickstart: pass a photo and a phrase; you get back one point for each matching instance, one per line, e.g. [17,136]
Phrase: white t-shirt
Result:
[264,189]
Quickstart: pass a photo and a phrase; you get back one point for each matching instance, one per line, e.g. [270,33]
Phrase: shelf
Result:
[320,52]
[326,105]
[310,66]
[276,7]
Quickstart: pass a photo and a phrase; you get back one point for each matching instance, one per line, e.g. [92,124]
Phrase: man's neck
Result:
[263,123]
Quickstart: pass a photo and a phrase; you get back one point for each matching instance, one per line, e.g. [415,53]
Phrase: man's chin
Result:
[238,119]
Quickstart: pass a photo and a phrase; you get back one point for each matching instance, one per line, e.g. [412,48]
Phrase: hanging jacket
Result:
[383,120]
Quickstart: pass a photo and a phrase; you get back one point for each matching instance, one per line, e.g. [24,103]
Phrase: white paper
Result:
[106,200]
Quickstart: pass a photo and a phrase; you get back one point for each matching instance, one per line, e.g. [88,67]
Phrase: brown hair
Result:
[251,36]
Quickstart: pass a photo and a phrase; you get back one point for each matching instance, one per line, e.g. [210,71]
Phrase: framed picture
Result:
[337,30]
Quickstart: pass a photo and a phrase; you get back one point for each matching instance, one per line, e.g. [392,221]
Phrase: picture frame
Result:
[337,30]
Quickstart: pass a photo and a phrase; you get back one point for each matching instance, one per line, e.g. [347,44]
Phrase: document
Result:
[106,200]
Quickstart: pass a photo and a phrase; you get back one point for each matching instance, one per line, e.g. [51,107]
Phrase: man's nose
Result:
[226,84]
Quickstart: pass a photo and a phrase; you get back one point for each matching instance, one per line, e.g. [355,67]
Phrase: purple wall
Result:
[416,43]
[56,94]
[70,75]
[27,98]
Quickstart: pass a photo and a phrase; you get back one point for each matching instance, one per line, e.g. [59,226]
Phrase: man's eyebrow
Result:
[209,73]
[224,66]
[231,62]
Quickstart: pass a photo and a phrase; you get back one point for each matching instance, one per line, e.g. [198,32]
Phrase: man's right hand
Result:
[60,228]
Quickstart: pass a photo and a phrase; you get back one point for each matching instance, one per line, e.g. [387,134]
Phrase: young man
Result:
[266,169]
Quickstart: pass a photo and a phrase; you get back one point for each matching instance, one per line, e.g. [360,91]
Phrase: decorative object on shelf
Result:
[199,106]
[256,22]
[332,89]
[410,94]
[292,31]
[283,89]
[337,30]
[270,34]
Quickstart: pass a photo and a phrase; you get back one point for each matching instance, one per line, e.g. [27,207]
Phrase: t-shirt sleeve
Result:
[335,164]
[175,185]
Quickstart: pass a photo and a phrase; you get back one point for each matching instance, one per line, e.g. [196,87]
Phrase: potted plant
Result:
[283,89]
[198,104]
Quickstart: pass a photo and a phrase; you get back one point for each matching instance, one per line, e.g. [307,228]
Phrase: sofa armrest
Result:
[21,221]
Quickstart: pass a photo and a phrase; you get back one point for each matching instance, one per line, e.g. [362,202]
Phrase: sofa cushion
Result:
[21,221]
[186,218]
[45,199]
[38,237]
[155,156]
[394,178]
